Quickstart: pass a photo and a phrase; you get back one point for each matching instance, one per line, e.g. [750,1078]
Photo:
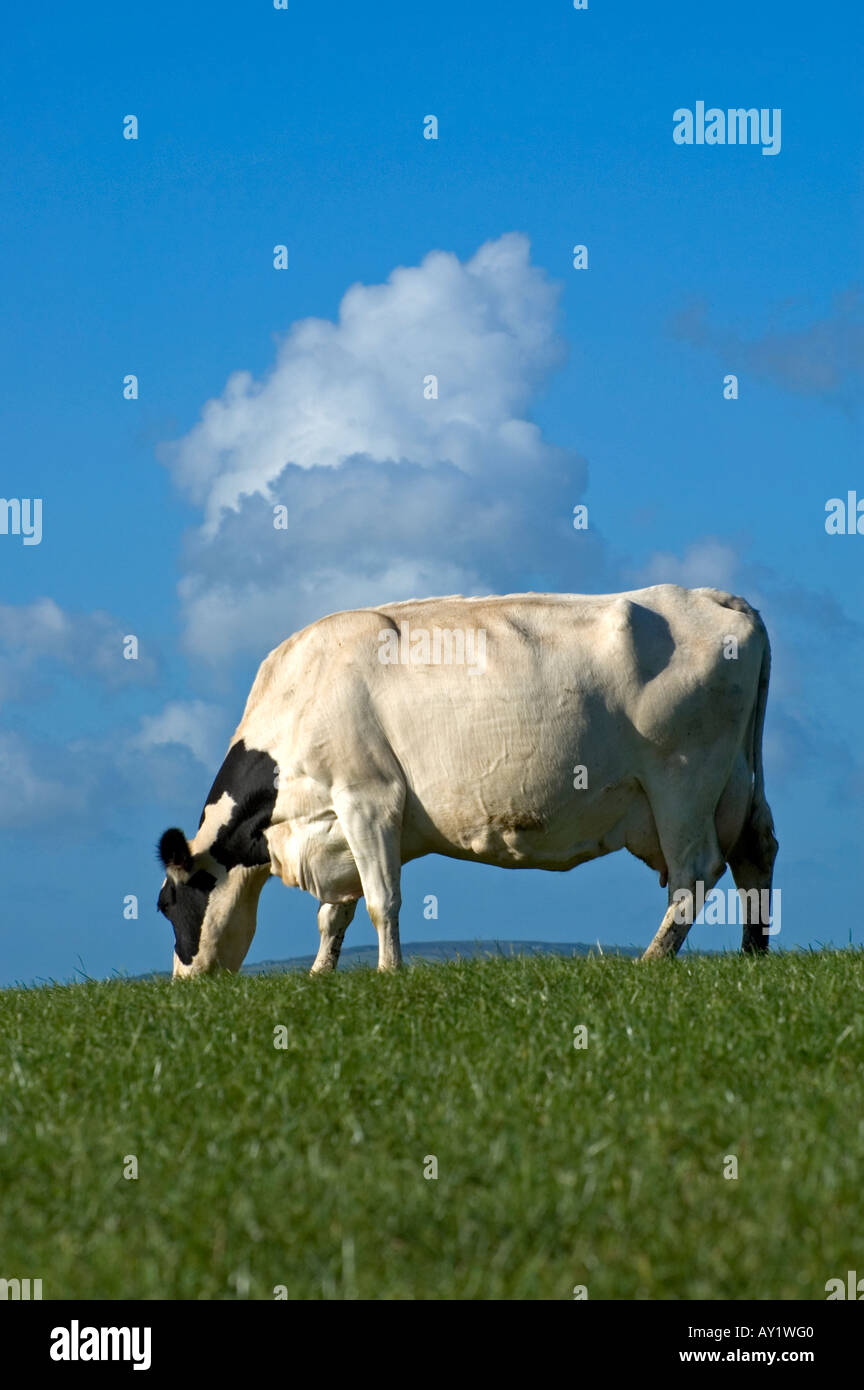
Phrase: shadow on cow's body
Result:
[595,723]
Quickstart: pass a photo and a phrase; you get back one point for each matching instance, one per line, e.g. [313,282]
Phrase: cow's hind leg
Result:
[694,859]
[372,830]
[334,920]
[752,865]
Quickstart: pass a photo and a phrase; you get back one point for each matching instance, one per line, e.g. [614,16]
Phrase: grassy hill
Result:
[303,1165]
[414,952]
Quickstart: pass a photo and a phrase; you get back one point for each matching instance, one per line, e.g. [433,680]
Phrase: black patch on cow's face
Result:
[249,778]
[184,904]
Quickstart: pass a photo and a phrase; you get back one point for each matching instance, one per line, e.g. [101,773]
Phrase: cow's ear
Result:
[174,850]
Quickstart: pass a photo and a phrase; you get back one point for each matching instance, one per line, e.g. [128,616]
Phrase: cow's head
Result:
[211,888]
[211,906]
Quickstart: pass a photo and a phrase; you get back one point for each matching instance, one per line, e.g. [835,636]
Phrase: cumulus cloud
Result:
[192,724]
[707,563]
[32,787]
[386,494]
[34,637]
[171,756]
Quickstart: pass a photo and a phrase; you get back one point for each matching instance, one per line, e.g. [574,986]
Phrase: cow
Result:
[533,731]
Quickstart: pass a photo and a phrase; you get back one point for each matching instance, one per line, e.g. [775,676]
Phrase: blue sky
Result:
[260,127]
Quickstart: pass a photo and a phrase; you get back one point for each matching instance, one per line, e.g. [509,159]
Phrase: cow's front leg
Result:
[334,920]
[386,922]
[374,841]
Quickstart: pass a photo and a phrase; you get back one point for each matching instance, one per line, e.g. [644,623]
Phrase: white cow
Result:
[530,731]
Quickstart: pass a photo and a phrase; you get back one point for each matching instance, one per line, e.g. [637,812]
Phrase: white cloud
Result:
[192,724]
[35,635]
[484,328]
[30,793]
[708,563]
[388,495]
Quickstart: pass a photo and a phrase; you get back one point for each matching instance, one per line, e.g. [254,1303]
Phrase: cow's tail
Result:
[761,819]
[751,859]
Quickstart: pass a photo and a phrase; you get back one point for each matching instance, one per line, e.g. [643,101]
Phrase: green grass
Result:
[303,1167]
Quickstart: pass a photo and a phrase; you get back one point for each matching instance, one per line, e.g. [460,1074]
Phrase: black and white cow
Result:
[454,726]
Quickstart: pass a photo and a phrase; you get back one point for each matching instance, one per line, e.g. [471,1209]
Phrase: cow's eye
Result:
[167,898]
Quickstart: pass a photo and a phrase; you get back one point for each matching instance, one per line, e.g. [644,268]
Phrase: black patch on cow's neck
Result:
[249,778]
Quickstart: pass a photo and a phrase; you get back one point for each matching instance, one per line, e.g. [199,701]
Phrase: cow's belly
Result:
[314,855]
[537,832]
[311,851]
[519,809]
